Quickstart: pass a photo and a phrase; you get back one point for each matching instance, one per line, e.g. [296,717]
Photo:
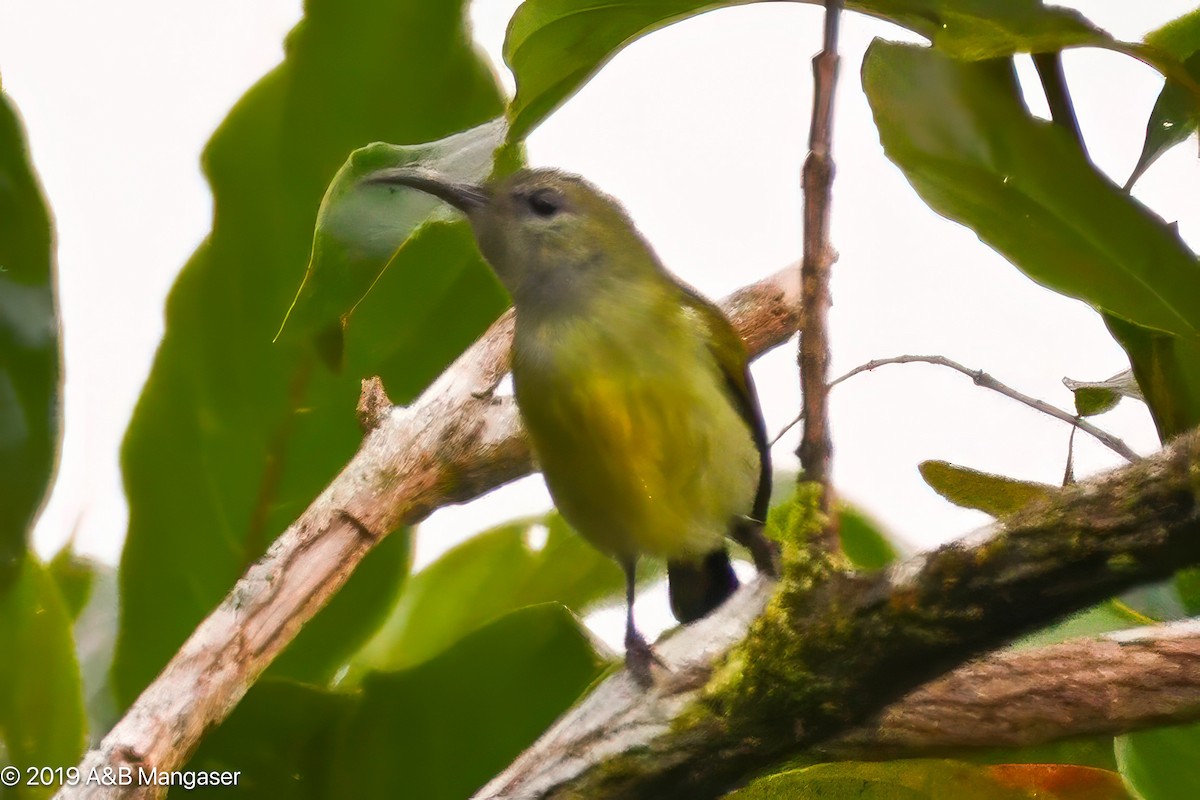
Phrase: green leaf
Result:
[73,575]
[95,637]
[863,541]
[1096,397]
[233,435]
[991,494]
[41,705]
[555,46]
[1160,764]
[1154,602]
[1175,114]
[1106,617]
[487,577]
[1144,605]
[279,739]
[443,728]
[362,228]
[963,137]
[1168,374]
[1187,583]
[29,354]
[891,780]
[982,29]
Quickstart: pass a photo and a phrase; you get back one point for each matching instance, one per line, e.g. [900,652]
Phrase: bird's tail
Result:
[698,587]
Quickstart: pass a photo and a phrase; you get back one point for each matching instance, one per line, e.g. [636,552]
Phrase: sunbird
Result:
[635,390]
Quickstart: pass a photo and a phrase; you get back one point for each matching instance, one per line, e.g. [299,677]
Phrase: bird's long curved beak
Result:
[466,197]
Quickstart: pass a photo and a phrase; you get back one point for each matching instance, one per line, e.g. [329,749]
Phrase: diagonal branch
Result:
[455,443]
[834,649]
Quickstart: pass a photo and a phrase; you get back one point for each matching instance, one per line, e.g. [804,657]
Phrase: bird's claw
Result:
[639,656]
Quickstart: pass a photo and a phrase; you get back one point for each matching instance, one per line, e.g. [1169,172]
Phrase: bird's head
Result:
[551,237]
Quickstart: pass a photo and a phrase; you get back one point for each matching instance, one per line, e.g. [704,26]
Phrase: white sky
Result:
[701,130]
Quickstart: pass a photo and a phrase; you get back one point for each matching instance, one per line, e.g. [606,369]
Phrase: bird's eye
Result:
[545,202]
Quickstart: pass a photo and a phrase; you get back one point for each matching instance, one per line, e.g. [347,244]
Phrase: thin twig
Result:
[816,446]
[985,380]
[1069,472]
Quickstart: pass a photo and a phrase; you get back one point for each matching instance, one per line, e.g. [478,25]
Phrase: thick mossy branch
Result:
[834,647]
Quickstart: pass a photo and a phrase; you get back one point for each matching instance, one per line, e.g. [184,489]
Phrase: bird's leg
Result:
[749,534]
[638,653]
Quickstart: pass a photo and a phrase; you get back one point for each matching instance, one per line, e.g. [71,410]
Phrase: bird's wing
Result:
[729,351]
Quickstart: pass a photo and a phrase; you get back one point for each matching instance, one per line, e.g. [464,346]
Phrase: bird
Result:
[634,389]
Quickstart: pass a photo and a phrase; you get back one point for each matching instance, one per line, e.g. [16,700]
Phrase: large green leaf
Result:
[41,702]
[279,740]
[364,228]
[1161,764]
[1175,114]
[233,436]
[555,46]
[442,728]
[963,137]
[484,578]
[29,355]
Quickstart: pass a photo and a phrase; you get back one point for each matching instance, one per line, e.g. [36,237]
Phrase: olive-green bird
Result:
[633,388]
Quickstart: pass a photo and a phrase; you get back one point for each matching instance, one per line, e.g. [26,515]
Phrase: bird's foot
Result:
[639,656]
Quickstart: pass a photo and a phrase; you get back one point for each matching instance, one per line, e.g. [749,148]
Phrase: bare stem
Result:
[816,446]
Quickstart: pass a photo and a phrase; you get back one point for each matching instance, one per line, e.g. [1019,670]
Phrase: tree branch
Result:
[455,443]
[816,445]
[833,650]
[1107,685]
